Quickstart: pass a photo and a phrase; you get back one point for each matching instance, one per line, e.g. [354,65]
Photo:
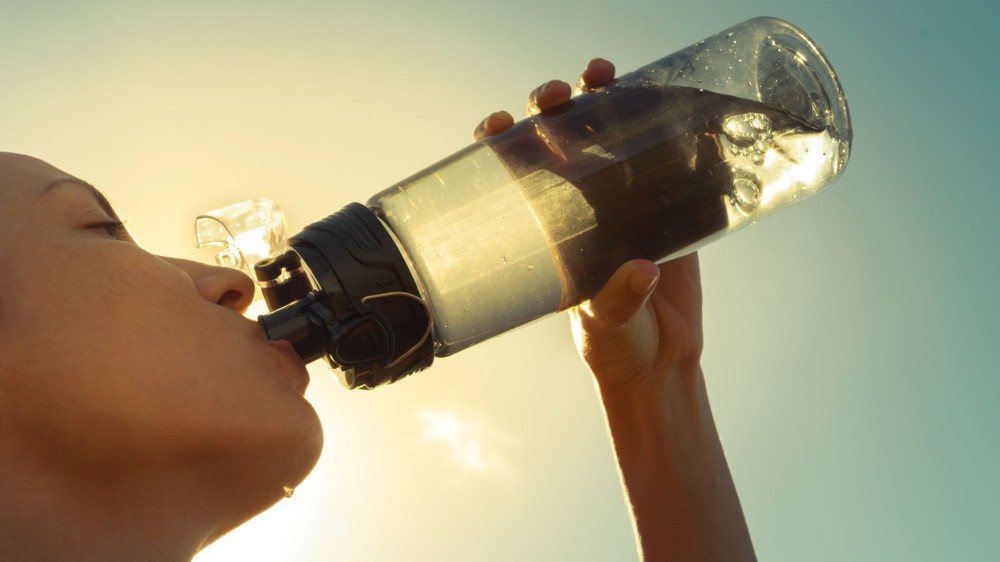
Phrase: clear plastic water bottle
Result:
[533,221]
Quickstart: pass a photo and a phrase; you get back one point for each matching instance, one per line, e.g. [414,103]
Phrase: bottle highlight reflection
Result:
[243,234]
[659,163]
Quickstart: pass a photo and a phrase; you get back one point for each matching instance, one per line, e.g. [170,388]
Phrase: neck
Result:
[155,514]
[46,518]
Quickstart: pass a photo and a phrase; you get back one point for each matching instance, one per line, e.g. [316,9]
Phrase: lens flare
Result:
[466,443]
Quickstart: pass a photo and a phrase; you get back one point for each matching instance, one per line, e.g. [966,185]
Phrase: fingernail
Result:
[642,284]
[480,130]
[537,93]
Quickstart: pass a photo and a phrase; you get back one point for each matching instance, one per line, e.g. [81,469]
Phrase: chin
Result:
[296,453]
[257,477]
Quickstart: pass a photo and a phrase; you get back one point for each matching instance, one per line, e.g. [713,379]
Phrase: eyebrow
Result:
[101,199]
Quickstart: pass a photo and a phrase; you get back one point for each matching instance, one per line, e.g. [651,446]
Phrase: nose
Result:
[223,286]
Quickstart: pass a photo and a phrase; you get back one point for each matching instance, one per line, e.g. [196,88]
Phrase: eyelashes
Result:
[114,229]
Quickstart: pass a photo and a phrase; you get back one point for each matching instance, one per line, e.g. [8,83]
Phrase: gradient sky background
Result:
[850,339]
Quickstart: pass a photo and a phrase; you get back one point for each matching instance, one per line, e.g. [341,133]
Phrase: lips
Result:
[285,348]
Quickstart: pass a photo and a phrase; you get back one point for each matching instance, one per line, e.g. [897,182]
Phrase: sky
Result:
[849,338]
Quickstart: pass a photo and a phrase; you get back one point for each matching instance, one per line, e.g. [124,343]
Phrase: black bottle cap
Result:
[376,326]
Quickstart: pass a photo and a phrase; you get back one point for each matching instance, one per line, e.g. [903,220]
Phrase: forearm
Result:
[674,471]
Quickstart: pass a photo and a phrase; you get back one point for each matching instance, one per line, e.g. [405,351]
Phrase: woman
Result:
[142,416]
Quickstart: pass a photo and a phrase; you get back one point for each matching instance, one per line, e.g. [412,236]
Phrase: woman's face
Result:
[116,359]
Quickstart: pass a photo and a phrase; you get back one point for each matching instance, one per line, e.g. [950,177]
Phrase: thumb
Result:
[624,294]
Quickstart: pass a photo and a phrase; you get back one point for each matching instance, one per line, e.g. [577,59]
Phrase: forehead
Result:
[22,176]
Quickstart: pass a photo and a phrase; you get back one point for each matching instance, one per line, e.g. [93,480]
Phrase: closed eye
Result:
[114,229]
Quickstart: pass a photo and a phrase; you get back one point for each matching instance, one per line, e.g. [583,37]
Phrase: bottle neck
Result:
[365,315]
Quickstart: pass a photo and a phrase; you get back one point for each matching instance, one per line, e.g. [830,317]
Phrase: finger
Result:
[494,124]
[548,95]
[598,73]
[623,295]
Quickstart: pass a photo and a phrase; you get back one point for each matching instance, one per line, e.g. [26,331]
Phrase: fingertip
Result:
[549,95]
[604,63]
[598,72]
[625,293]
[644,267]
[642,284]
[494,124]
[499,122]
[642,276]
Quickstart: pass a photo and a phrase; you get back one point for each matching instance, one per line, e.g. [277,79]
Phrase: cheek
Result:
[116,307]
[119,352]
[85,334]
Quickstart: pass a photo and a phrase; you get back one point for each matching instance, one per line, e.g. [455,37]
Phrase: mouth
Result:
[285,347]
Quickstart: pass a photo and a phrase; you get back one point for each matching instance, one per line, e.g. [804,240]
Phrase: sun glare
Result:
[466,443]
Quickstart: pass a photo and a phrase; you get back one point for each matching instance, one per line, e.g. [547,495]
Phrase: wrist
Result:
[667,384]
[671,408]
[682,497]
